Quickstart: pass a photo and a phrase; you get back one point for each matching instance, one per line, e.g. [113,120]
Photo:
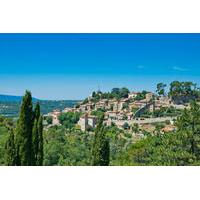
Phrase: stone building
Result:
[83,122]
[132,95]
[149,96]
[55,117]
[86,122]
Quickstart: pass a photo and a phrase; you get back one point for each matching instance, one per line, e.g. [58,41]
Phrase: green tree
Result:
[101,147]
[24,132]
[35,134]
[10,150]
[189,123]
[161,88]
[126,126]
[49,119]
[124,92]
[40,154]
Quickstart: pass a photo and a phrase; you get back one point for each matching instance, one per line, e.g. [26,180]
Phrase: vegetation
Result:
[183,92]
[181,148]
[24,148]
[116,93]
[98,113]
[64,147]
[161,88]
[101,148]
[116,147]
[70,119]
[22,142]
[141,96]
[11,109]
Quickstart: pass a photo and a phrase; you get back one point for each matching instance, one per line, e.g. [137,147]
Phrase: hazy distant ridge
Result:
[12,98]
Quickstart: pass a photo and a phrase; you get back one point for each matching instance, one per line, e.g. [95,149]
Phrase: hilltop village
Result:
[126,127]
[129,110]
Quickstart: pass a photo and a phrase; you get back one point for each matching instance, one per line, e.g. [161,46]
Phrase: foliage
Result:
[69,119]
[119,93]
[49,120]
[101,148]
[166,112]
[10,150]
[67,147]
[24,132]
[180,148]
[11,109]
[161,88]
[126,126]
[183,92]
[37,137]
[141,96]
[23,145]
[98,113]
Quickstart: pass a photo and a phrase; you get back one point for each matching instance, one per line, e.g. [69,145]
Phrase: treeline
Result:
[116,93]
[180,92]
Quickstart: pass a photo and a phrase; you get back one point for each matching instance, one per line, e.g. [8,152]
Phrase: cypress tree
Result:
[24,132]
[40,144]
[35,134]
[10,150]
[101,149]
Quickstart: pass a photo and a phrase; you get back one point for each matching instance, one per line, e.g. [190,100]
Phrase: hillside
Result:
[11,108]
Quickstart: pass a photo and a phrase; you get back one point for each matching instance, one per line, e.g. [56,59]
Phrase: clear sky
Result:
[71,66]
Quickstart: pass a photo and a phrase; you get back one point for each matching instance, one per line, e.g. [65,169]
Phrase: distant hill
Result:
[11,98]
[10,105]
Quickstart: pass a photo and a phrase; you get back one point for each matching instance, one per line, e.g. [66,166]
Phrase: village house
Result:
[83,122]
[87,121]
[111,114]
[132,95]
[101,104]
[89,106]
[66,110]
[92,121]
[138,104]
[149,96]
[121,116]
[55,117]
[129,116]
[122,103]
[168,128]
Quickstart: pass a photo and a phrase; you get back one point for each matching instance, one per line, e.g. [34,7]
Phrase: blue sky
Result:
[71,66]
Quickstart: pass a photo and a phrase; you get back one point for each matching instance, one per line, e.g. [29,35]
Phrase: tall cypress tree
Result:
[101,148]
[35,134]
[24,132]
[40,144]
[10,150]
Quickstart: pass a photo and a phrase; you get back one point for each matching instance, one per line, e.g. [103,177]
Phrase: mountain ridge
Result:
[13,98]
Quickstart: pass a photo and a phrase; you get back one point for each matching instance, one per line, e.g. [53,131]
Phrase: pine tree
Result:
[24,132]
[101,149]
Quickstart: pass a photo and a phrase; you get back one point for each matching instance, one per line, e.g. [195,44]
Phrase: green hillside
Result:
[11,108]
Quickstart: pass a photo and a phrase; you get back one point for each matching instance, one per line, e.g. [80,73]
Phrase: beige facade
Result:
[132,95]
[87,121]
[149,96]
[55,117]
